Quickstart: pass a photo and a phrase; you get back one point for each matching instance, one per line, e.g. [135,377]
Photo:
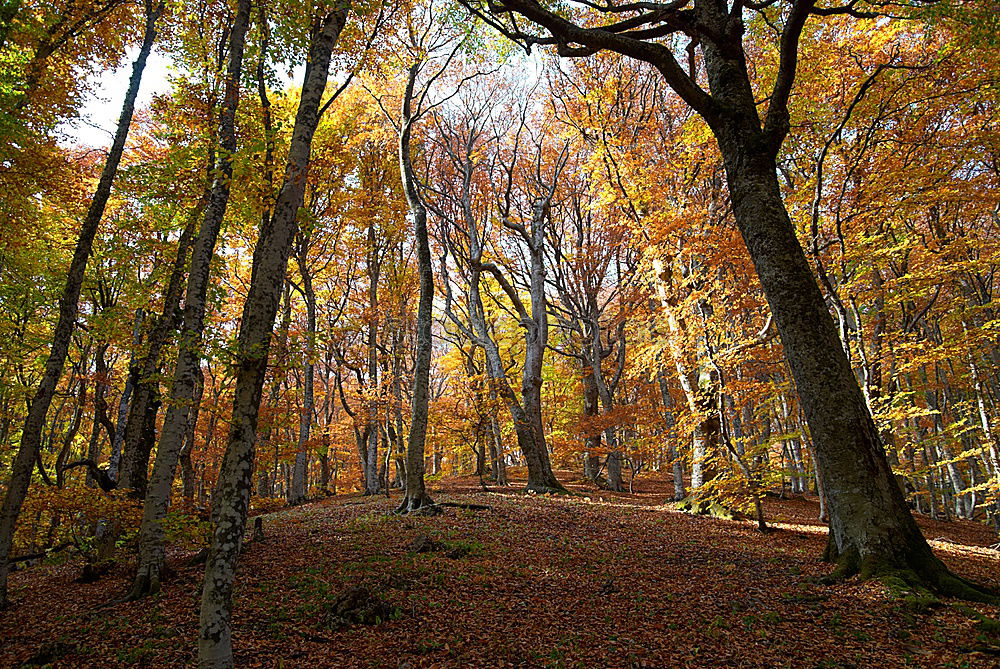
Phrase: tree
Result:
[232,495]
[871,529]
[519,186]
[68,304]
[188,368]
[416,496]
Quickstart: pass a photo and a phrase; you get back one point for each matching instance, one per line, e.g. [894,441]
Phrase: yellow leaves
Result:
[77,508]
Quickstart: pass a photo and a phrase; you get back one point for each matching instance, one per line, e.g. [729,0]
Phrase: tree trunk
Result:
[270,262]
[297,494]
[187,469]
[676,460]
[871,529]
[101,418]
[369,461]
[151,533]
[614,467]
[416,496]
[138,437]
[592,442]
[114,459]
[540,476]
[31,433]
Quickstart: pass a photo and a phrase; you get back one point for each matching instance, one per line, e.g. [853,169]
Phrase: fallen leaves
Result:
[619,581]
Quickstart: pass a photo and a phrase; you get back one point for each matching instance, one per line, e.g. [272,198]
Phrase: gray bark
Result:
[270,262]
[297,493]
[525,411]
[416,495]
[138,437]
[871,529]
[123,402]
[188,368]
[676,460]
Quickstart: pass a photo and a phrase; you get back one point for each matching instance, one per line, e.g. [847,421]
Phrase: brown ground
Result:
[601,580]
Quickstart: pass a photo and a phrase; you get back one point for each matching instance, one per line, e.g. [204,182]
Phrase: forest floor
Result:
[591,580]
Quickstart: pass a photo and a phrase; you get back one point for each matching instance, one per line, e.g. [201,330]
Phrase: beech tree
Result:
[188,368]
[871,529]
[231,500]
[31,433]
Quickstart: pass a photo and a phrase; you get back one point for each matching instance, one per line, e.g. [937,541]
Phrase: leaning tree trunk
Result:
[182,394]
[136,444]
[270,262]
[871,529]
[416,495]
[31,434]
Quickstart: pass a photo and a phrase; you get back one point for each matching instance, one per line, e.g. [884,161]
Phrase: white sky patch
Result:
[100,110]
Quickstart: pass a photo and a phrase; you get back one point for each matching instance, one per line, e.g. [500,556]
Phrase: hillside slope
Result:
[583,581]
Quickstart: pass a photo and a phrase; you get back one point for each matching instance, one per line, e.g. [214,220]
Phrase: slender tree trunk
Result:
[138,437]
[31,433]
[369,463]
[151,533]
[187,468]
[297,494]
[416,495]
[114,459]
[101,418]
[677,461]
[270,262]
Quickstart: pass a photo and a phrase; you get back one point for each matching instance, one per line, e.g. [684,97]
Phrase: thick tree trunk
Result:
[270,262]
[871,528]
[540,476]
[31,434]
[614,467]
[182,394]
[591,409]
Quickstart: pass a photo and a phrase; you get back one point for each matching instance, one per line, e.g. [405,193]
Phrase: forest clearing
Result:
[596,579]
[406,332]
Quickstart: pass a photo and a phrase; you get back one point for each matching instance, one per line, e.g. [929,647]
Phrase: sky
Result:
[100,110]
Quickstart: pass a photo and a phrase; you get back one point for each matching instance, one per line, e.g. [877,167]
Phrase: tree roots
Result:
[918,579]
[418,505]
[146,583]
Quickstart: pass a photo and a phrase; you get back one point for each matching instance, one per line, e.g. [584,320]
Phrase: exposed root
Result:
[547,486]
[146,583]
[918,580]
[418,505]
[467,507]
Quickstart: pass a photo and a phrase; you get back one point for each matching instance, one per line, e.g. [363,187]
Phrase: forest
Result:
[487,333]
